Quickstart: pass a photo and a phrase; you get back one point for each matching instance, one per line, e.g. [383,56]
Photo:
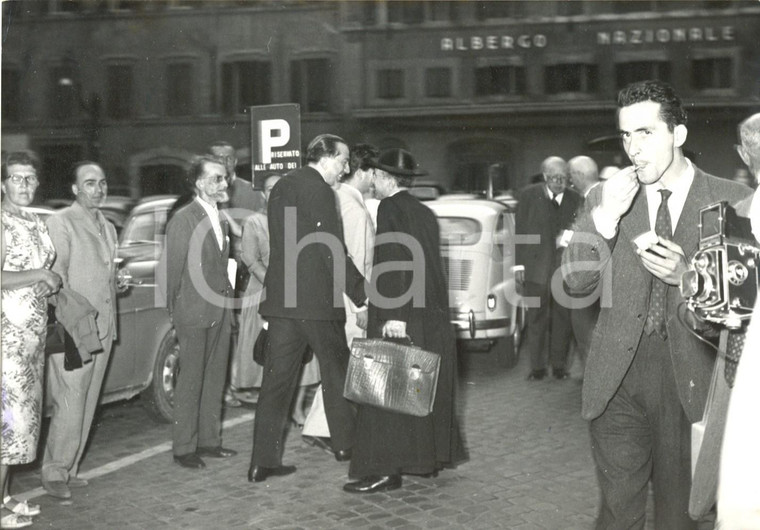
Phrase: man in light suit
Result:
[545,209]
[738,501]
[308,272]
[198,295]
[646,377]
[85,243]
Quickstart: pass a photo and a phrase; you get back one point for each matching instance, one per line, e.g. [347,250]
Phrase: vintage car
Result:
[477,246]
[144,358]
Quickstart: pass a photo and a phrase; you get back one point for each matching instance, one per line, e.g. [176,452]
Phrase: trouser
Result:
[288,340]
[74,397]
[548,331]
[203,357]
[644,435]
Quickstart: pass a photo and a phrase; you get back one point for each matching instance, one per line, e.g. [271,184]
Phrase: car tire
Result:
[158,397]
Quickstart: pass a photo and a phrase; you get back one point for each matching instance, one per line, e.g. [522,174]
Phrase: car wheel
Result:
[158,398]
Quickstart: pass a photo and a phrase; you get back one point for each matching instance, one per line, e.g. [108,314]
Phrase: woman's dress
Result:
[24,321]
[255,249]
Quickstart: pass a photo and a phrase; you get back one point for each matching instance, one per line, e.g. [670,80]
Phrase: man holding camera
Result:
[646,376]
[738,501]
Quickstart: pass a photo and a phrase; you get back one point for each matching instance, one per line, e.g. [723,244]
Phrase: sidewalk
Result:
[530,468]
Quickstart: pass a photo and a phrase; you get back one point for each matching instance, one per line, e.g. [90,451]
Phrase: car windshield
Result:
[459,230]
[145,228]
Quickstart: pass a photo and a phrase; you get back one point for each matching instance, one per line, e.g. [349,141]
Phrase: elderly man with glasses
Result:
[545,211]
[198,293]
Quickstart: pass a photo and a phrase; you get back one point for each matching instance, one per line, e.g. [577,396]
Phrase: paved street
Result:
[529,468]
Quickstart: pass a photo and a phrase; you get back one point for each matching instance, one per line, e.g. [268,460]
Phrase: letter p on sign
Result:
[269,139]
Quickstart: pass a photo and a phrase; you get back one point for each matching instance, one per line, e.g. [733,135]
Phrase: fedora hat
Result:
[397,162]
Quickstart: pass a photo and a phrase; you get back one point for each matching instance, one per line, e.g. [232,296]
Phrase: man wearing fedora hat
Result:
[390,444]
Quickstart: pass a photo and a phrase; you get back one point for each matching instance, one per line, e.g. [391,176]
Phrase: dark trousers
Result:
[548,331]
[644,435]
[288,340]
[203,357]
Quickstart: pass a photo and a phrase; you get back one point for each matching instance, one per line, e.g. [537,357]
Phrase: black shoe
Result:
[318,441]
[536,375]
[560,373]
[261,473]
[373,484]
[343,455]
[190,460]
[215,452]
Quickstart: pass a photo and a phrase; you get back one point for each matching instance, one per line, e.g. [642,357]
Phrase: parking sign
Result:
[275,141]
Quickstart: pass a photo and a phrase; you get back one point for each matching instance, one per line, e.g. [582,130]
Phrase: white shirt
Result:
[213,213]
[680,190]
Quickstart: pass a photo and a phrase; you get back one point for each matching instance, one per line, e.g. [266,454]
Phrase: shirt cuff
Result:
[518,268]
[605,224]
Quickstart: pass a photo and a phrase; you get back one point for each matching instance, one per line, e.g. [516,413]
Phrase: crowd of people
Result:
[321,259]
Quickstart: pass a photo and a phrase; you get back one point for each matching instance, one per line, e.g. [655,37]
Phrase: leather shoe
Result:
[57,488]
[560,373]
[344,455]
[77,482]
[261,473]
[190,461]
[536,375]
[373,484]
[215,452]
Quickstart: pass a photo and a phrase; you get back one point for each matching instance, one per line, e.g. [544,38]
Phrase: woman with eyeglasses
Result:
[26,255]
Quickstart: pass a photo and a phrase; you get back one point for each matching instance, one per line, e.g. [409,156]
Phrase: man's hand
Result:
[665,260]
[394,329]
[618,193]
[362,319]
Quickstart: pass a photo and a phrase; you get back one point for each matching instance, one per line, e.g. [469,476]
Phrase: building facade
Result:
[468,86]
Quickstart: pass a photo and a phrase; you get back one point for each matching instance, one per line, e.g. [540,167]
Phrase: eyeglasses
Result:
[29,180]
[557,178]
[217,179]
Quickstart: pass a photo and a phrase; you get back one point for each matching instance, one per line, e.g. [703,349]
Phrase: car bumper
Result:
[472,326]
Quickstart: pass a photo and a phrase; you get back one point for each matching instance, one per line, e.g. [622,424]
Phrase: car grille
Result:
[458,271]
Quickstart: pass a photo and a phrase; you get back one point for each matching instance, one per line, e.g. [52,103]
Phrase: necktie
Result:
[658,295]
[555,202]
[733,354]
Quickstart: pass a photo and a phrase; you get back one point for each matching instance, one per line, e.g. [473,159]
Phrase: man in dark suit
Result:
[584,175]
[646,376]
[308,271]
[545,209]
[198,293]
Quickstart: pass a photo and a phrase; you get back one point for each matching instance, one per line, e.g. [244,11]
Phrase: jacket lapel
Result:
[687,229]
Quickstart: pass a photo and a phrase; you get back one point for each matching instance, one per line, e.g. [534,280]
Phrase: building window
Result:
[712,73]
[577,77]
[498,9]
[390,84]
[362,12]
[438,82]
[310,82]
[179,89]
[406,11]
[630,72]
[245,84]
[119,91]
[11,95]
[444,11]
[63,99]
[499,80]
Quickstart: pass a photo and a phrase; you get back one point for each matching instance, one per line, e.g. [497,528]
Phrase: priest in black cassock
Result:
[390,444]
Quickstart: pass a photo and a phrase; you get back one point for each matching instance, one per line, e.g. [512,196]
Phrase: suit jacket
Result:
[197,284]
[85,260]
[619,327]
[306,279]
[536,215]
